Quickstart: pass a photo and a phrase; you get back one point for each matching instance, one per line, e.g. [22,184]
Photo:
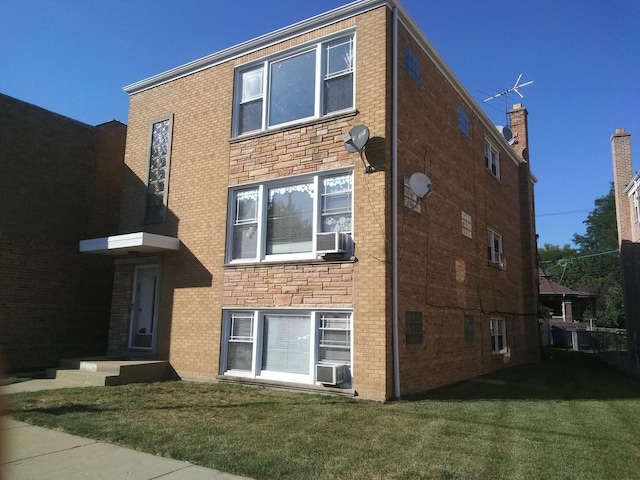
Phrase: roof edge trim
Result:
[332,16]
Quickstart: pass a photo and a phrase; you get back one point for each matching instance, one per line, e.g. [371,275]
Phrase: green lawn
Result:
[570,416]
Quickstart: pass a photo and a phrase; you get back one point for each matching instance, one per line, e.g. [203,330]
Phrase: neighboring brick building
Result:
[627,196]
[60,182]
[240,185]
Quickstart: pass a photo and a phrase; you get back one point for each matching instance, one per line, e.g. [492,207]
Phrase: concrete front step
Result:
[84,377]
[110,372]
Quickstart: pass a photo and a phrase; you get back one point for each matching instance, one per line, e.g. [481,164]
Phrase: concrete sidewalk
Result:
[38,453]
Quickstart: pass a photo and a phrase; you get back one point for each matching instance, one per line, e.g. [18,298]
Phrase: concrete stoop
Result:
[109,372]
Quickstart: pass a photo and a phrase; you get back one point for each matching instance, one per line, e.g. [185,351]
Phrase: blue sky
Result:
[74,56]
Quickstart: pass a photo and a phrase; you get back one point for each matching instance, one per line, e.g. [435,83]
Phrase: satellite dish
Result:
[356,139]
[420,185]
[506,133]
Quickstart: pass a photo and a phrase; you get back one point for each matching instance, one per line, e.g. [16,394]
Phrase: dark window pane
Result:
[245,241]
[239,356]
[338,93]
[251,116]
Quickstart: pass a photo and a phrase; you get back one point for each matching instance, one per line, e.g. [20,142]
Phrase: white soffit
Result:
[139,242]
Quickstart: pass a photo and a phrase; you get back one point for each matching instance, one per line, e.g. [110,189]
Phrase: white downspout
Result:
[394,204]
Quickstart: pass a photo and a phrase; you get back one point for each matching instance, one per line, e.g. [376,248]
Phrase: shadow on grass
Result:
[56,411]
[560,375]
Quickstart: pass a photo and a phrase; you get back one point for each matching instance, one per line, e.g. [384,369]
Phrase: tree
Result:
[593,266]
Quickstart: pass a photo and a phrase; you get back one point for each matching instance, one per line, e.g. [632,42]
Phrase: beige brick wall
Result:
[442,273]
[205,162]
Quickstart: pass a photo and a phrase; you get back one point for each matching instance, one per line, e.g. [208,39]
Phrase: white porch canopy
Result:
[135,243]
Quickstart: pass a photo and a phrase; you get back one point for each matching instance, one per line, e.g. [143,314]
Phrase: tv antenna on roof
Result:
[515,88]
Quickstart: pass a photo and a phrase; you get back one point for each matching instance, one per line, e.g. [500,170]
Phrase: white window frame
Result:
[260,232]
[257,337]
[636,205]
[342,323]
[495,248]
[322,75]
[498,328]
[492,159]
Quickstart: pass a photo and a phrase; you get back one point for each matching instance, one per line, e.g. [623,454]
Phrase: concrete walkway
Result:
[38,453]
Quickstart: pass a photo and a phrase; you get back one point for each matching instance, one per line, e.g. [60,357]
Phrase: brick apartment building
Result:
[60,182]
[254,247]
[627,196]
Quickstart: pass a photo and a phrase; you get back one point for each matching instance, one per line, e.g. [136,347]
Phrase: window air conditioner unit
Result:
[330,374]
[331,242]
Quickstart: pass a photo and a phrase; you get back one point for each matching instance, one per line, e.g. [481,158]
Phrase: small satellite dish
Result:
[356,139]
[505,132]
[420,185]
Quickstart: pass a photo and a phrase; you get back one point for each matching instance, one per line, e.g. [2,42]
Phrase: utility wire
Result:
[570,259]
[561,213]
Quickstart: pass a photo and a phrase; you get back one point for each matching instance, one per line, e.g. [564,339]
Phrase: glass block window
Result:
[411,65]
[158,177]
[463,121]
[467,226]
[413,328]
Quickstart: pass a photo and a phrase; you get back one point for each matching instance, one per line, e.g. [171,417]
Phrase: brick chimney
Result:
[622,176]
[628,236]
[520,128]
[529,250]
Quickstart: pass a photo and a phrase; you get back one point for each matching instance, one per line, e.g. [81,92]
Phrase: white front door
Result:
[144,307]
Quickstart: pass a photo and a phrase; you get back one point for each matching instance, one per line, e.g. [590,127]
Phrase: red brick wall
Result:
[59,184]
